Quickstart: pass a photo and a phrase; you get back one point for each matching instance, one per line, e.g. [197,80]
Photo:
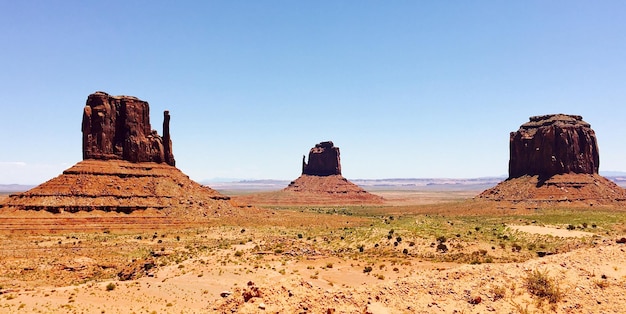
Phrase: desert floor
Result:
[420,252]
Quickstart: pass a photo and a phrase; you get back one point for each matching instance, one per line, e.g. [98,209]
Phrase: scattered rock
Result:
[136,269]
[251,292]
[225,294]
[475,300]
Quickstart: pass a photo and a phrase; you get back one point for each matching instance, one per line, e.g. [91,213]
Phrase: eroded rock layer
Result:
[553,144]
[122,186]
[554,159]
[118,127]
[314,190]
[561,189]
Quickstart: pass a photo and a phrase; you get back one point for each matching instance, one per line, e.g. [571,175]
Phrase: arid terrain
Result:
[421,251]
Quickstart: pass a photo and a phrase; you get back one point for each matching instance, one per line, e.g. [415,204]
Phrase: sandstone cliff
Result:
[553,144]
[554,159]
[118,127]
[323,160]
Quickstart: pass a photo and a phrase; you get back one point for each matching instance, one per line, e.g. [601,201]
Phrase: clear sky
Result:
[404,88]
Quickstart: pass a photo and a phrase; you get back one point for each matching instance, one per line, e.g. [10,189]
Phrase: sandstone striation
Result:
[118,127]
[120,186]
[554,159]
[553,144]
[323,160]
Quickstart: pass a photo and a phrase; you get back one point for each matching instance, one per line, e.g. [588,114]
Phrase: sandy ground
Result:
[557,232]
[592,281]
[224,269]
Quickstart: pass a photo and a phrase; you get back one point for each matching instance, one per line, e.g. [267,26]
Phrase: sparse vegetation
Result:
[110,286]
[539,284]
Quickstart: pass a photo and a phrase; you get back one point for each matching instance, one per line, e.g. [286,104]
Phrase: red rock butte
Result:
[553,144]
[554,159]
[127,168]
[118,127]
[321,180]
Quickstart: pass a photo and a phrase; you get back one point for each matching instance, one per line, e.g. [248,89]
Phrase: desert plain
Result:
[419,251]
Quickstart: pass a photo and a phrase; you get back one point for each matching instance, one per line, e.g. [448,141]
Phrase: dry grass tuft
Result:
[539,284]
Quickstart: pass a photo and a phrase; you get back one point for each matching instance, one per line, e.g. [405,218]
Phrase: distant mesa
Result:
[324,160]
[554,158]
[118,128]
[127,167]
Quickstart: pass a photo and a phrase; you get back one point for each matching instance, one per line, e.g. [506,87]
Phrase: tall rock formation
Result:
[127,168]
[553,144]
[321,182]
[323,160]
[118,128]
[554,159]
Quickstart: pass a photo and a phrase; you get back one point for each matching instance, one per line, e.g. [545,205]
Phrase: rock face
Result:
[118,128]
[323,160]
[553,144]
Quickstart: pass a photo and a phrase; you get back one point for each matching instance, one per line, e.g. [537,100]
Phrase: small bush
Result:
[442,248]
[238,253]
[367,269]
[498,292]
[539,284]
[110,286]
[571,227]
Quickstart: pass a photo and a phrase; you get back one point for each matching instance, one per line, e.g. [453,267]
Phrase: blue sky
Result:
[404,88]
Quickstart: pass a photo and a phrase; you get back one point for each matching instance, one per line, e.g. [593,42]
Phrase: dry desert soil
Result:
[417,252]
